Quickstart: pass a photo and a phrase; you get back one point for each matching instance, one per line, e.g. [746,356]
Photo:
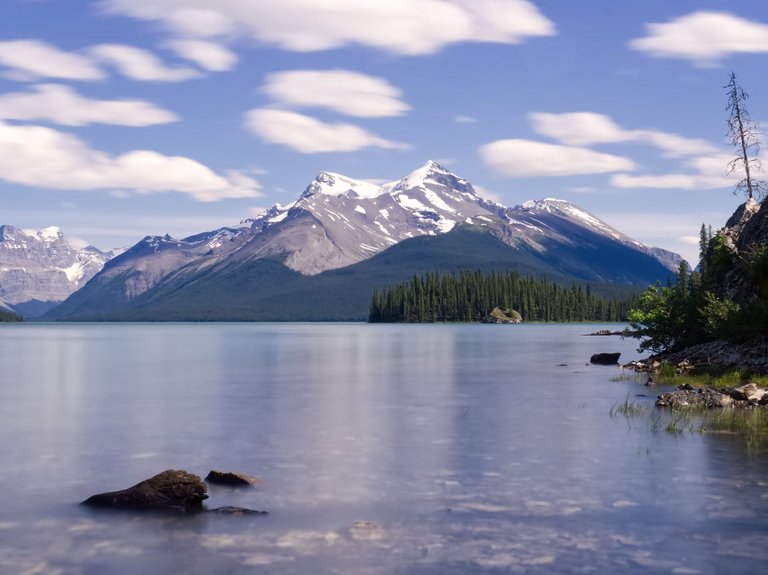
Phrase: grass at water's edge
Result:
[749,424]
[668,375]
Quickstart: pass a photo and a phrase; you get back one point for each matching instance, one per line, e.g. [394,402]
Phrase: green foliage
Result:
[757,262]
[716,315]
[665,317]
[472,296]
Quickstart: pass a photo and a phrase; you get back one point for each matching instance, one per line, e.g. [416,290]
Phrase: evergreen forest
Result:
[472,295]
[8,316]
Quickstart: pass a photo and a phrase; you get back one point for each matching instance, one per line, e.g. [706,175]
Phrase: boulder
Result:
[170,490]
[605,358]
[231,478]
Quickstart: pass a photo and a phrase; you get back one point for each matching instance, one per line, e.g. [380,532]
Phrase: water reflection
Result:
[469,448]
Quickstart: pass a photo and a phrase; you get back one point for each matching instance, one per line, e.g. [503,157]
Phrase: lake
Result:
[467,448]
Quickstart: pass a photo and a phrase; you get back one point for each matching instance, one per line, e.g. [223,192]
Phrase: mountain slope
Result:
[39,270]
[343,237]
[267,290]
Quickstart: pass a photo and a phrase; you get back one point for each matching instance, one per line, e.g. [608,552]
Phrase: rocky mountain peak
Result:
[431,174]
[337,185]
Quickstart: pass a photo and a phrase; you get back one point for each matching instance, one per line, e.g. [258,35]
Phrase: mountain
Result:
[41,269]
[321,257]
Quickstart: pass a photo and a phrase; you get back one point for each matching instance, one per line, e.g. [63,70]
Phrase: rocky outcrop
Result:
[499,315]
[605,358]
[170,490]
[745,232]
[687,396]
[231,479]
[750,356]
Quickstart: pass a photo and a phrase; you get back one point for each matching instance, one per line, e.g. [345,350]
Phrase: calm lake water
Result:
[469,447]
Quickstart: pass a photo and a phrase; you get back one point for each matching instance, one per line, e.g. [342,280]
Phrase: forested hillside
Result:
[471,296]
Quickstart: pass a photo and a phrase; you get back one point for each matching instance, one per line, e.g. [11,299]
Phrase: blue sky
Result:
[122,118]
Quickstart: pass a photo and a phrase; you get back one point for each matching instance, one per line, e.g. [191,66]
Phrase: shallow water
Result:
[468,448]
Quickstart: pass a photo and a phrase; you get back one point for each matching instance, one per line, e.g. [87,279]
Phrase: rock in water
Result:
[231,478]
[605,358]
[236,511]
[171,489]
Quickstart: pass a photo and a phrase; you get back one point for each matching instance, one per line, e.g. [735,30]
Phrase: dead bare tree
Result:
[742,133]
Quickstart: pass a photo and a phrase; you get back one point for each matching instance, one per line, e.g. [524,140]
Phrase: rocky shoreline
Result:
[719,355]
[687,396]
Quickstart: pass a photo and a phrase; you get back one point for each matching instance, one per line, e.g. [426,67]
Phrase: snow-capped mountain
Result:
[40,269]
[338,222]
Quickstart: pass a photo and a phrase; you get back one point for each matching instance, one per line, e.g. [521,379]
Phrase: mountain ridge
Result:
[339,222]
[39,269]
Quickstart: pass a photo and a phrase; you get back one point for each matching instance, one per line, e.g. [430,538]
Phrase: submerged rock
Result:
[366,531]
[170,490]
[605,358]
[606,332]
[236,511]
[231,478]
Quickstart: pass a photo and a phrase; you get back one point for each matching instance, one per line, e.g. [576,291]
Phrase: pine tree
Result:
[742,133]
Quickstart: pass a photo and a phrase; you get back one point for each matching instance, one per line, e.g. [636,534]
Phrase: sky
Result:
[126,118]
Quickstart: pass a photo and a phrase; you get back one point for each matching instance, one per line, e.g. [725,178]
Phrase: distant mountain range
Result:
[39,270]
[321,257]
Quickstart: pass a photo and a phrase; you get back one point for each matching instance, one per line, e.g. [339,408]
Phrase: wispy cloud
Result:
[343,91]
[30,60]
[309,135]
[140,64]
[390,26]
[528,158]
[61,104]
[210,56]
[704,38]
[589,128]
[47,158]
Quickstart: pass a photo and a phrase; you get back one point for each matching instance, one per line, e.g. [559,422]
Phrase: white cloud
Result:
[708,173]
[588,128]
[63,105]
[139,64]
[666,181]
[196,22]
[310,135]
[29,60]
[343,91]
[704,38]
[32,59]
[47,158]
[460,119]
[527,158]
[406,27]
[578,128]
[208,55]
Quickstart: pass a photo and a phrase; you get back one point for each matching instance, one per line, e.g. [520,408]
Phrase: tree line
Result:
[472,295]
[8,316]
